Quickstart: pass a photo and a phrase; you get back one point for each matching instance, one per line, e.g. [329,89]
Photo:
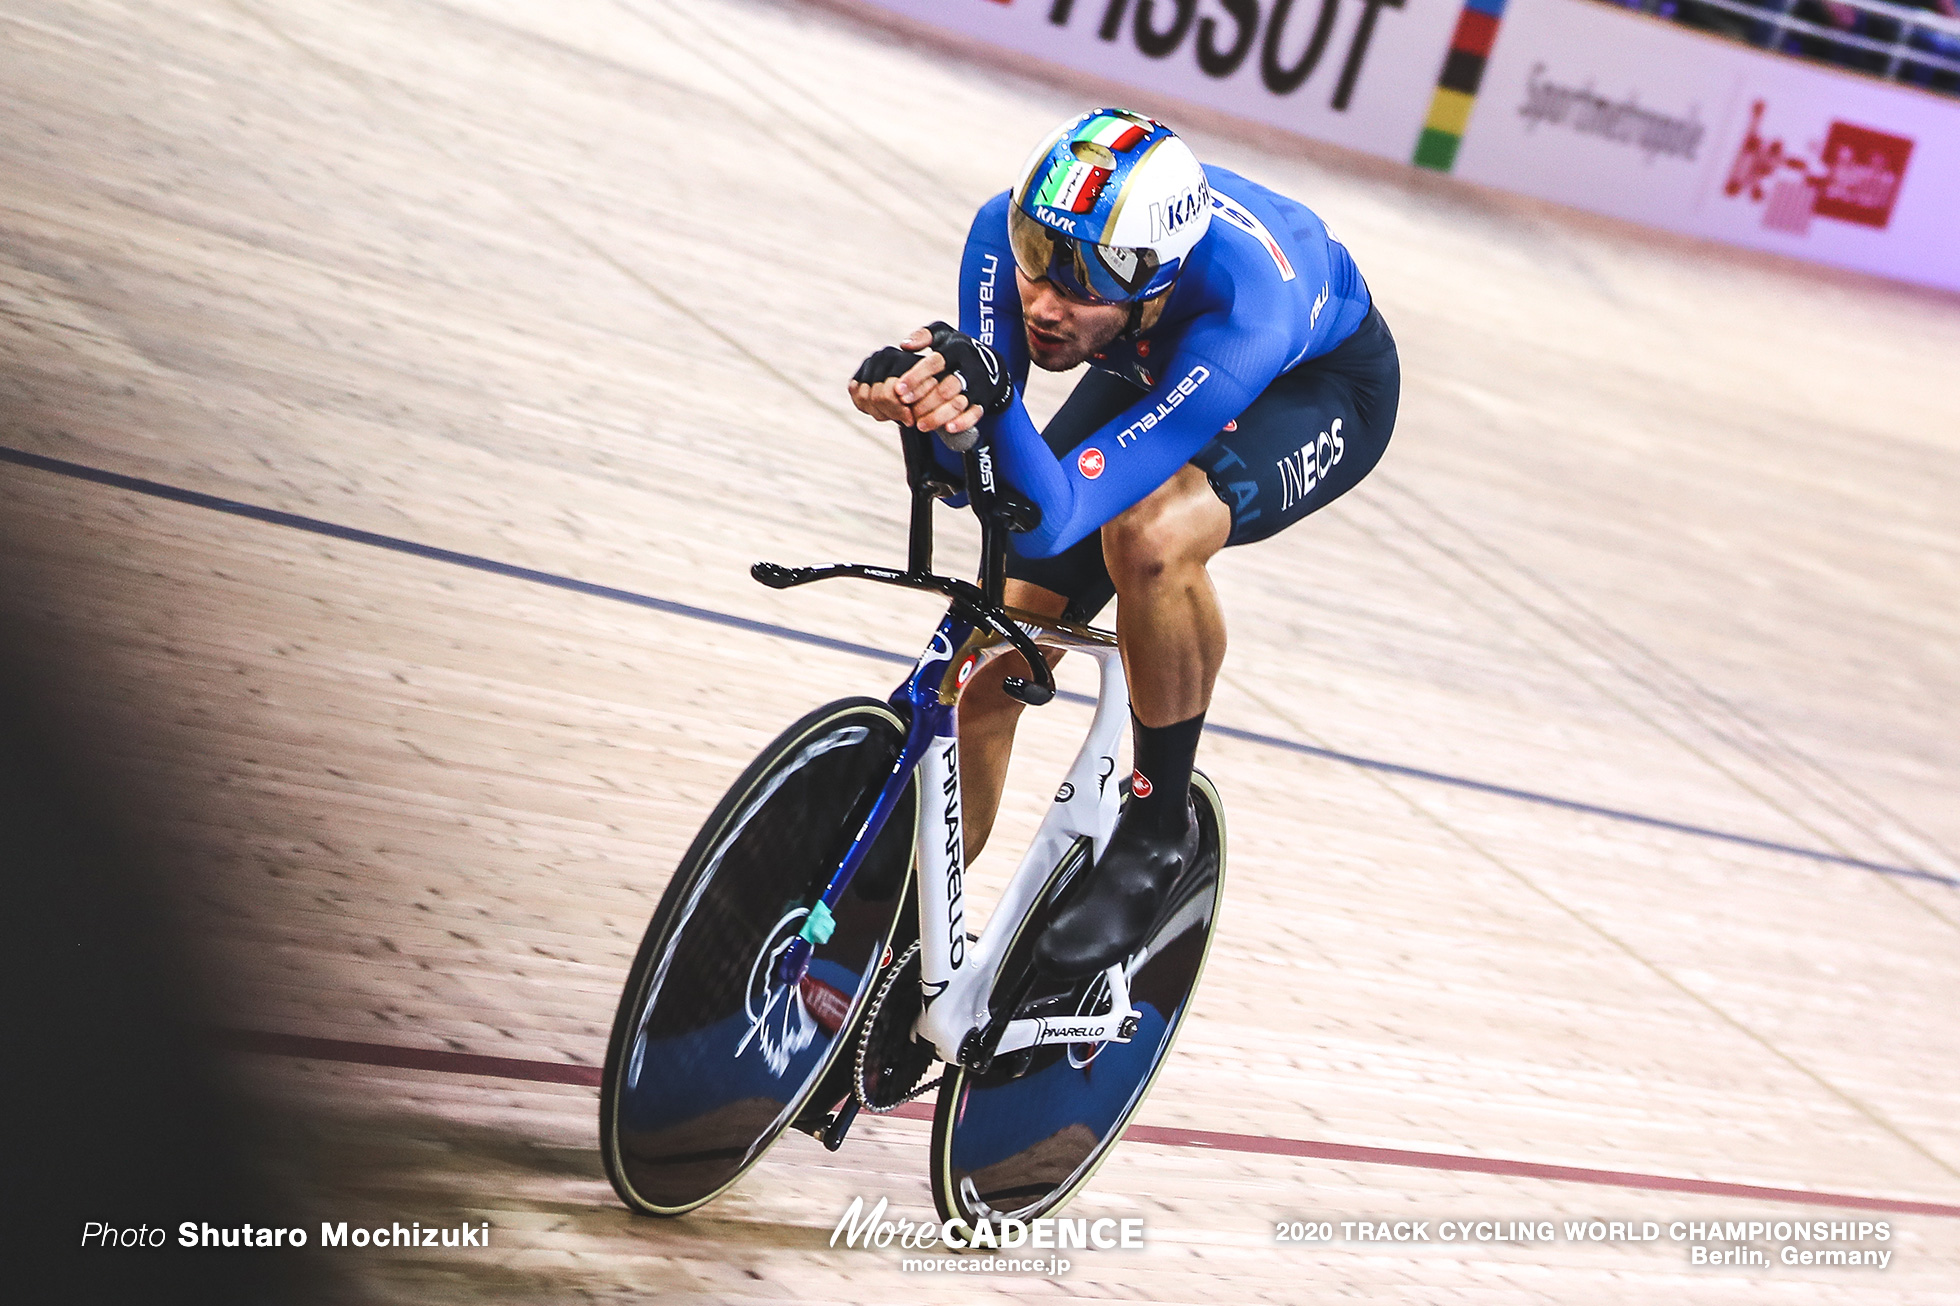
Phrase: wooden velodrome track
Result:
[1591,769]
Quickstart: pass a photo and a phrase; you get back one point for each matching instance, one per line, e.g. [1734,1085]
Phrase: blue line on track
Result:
[313,525]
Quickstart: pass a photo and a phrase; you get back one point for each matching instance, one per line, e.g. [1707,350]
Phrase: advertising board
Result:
[1357,73]
[1573,101]
[1638,119]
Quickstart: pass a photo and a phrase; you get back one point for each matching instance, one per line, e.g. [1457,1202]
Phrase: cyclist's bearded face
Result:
[1063,331]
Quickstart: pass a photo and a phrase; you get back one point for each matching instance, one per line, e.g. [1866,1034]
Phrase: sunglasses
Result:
[1101,274]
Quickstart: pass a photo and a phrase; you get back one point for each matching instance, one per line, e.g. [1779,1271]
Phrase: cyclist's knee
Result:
[983,700]
[1179,526]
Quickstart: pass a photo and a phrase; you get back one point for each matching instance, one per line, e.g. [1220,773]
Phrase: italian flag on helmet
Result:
[1120,198]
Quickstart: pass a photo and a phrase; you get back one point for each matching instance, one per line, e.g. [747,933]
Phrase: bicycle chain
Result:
[874,1032]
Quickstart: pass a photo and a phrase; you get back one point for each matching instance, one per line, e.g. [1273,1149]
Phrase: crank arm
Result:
[1036,1031]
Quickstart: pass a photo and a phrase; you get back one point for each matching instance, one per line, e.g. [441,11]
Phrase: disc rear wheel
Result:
[1023,1138]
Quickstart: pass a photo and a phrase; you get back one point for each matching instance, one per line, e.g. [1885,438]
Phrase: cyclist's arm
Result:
[990,312]
[990,306]
[1216,373]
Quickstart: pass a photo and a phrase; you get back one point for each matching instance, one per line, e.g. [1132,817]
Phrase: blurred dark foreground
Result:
[121,1115]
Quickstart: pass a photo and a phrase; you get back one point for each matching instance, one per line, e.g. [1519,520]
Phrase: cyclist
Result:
[1239,379]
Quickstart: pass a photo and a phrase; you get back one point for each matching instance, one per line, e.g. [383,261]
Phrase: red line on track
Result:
[558,1072]
[381,1054]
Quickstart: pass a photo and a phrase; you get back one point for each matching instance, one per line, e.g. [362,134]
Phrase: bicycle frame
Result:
[956,974]
[956,979]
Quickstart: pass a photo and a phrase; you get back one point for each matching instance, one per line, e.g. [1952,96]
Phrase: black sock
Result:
[1160,786]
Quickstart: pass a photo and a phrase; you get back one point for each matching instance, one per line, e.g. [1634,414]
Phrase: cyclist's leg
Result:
[1021,1137]
[1169,624]
[1073,585]
[1309,437]
[1306,440]
[988,718]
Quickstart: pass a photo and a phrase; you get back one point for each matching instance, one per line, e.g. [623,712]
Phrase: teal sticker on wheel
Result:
[820,924]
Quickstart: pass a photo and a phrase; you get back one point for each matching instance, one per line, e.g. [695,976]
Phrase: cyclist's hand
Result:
[903,385]
[874,386]
[932,394]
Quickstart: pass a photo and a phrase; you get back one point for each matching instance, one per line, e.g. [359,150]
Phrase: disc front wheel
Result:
[711,1056]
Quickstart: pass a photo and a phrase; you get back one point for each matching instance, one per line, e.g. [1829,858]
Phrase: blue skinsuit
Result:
[1233,323]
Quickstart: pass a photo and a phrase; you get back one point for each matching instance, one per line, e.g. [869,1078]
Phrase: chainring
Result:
[890,1062]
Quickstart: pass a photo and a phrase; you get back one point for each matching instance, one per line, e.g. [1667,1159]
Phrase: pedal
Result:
[833,1133]
[978,1047]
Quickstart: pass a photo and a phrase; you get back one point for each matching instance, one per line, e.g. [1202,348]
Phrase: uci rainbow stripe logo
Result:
[1456,87]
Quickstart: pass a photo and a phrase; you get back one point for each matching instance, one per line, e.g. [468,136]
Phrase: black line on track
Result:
[394,544]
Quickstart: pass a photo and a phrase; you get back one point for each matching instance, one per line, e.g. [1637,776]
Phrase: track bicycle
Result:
[813,955]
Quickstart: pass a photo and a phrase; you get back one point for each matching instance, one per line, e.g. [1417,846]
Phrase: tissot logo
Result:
[1291,36]
[1854,176]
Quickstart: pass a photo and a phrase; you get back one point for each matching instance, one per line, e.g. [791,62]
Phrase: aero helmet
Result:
[1108,206]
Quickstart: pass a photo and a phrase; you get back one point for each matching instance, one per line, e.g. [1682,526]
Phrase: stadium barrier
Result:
[1899,42]
[1583,103]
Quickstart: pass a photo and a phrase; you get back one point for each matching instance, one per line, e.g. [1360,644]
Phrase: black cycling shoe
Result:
[1126,887]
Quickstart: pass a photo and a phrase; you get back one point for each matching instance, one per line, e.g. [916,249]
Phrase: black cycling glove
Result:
[983,376]
[982,373]
[887,363]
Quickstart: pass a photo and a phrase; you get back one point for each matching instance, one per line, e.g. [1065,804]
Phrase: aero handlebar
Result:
[1000,510]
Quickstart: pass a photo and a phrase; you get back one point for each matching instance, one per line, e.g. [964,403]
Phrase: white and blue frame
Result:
[957,970]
